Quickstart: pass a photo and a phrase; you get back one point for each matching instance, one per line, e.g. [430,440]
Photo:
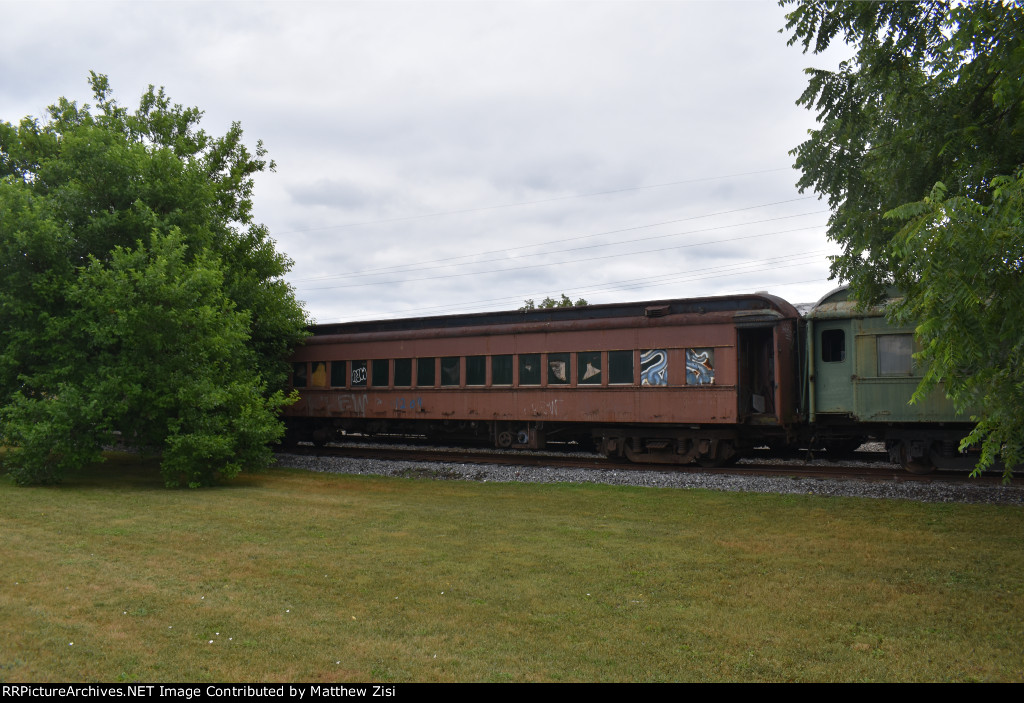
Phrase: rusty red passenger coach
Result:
[667,381]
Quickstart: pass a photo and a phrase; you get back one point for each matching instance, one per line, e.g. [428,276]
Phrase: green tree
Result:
[919,153]
[549,302]
[138,297]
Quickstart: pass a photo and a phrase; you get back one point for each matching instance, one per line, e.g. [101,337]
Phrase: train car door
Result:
[833,367]
[757,383]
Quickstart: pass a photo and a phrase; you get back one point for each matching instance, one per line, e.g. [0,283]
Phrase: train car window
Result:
[319,375]
[381,369]
[620,367]
[833,345]
[894,355]
[558,369]
[588,368]
[339,373]
[654,367]
[476,370]
[501,370]
[358,375]
[450,370]
[403,372]
[299,375]
[700,367]
[425,372]
[529,369]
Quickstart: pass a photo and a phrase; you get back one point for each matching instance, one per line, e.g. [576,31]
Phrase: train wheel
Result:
[612,448]
[724,455]
[920,466]
[321,436]
[504,440]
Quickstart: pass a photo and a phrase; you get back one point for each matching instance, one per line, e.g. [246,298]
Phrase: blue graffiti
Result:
[409,404]
[654,368]
[700,368]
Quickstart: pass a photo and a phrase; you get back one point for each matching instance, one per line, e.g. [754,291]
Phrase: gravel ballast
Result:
[930,492]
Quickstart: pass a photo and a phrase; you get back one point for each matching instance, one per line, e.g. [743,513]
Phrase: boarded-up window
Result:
[529,369]
[501,370]
[894,355]
[358,375]
[339,373]
[449,370]
[588,368]
[654,367]
[700,367]
[319,377]
[403,372]
[299,375]
[425,372]
[381,372]
[620,367]
[558,369]
[476,370]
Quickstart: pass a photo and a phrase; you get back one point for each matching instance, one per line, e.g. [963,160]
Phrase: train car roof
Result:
[840,303]
[654,308]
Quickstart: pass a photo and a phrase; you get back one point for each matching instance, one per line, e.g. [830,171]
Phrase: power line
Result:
[572,249]
[533,202]
[786,261]
[562,263]
[397,268]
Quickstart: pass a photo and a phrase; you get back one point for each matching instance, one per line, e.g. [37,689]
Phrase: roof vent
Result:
[656,311]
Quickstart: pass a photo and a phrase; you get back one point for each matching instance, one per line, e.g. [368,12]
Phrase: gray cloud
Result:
[406,133]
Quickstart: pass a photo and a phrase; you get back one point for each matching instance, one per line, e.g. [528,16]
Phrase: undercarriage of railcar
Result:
[919,448]
[708,446]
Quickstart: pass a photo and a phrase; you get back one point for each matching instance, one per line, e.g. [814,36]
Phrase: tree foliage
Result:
[138,297]
[919,153]
[549,302]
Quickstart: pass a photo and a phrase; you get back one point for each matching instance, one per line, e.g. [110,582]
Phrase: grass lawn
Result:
[295,576]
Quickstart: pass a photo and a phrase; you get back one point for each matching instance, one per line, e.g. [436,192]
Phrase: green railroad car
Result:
[860,378]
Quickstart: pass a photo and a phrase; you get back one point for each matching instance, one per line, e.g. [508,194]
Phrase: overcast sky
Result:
[437,157]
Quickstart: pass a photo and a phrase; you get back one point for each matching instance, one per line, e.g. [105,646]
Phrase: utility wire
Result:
[535,202]
[562,263]
[572,249]
[424,264]
[786,261]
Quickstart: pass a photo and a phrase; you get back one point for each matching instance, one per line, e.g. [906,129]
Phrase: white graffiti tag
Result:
[545,409]
[351,403]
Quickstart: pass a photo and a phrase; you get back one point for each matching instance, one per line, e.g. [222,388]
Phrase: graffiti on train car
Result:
[409,403]
[700,367]
[547,408]
[654,367]
[351,403]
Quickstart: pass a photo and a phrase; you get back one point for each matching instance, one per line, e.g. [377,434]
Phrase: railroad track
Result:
[869,466]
